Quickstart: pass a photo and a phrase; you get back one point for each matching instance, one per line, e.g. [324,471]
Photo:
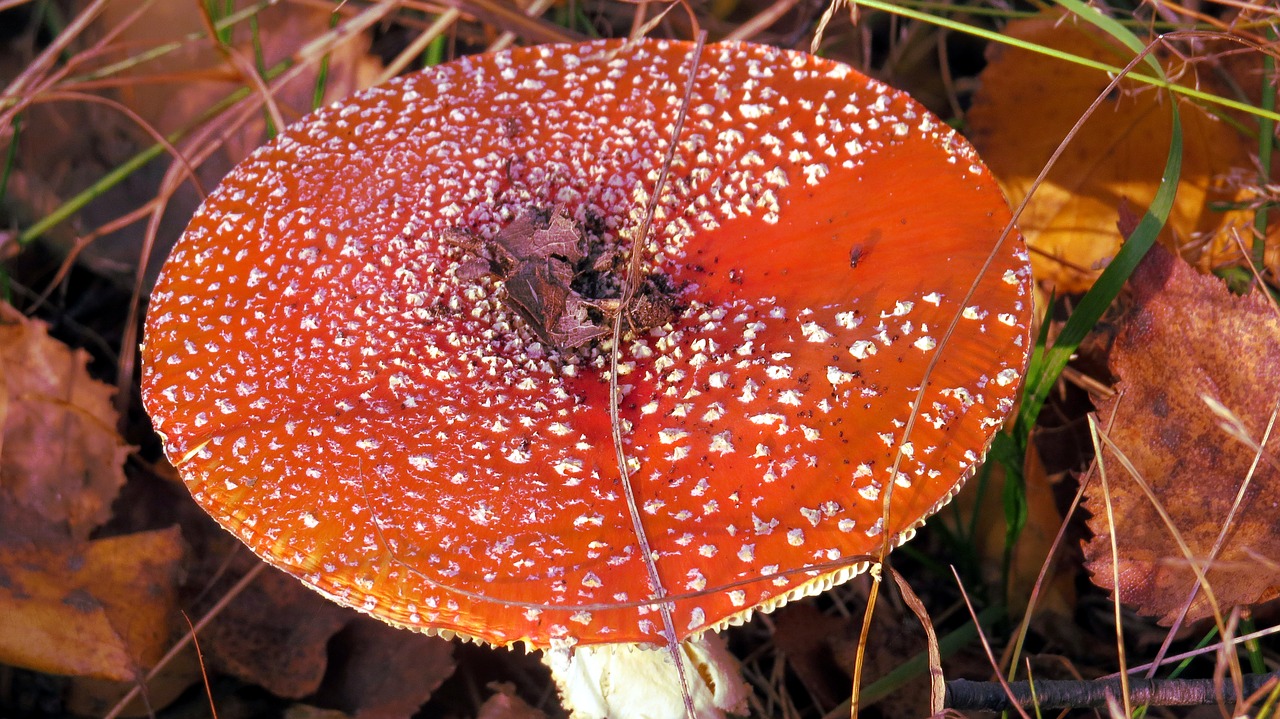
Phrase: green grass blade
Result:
[260,64]
[1047,365]
[10,158]
[994,36]
[322,74]
[1112,27]
[1266,143]
[133,164]
[434,54]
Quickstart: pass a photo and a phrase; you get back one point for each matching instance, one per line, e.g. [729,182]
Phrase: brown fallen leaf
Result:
[506,704]
[809,640]
[1026,105]
[97,609]
[61,460]
[293,642]
[377,671]
[1183,335]
[275,634]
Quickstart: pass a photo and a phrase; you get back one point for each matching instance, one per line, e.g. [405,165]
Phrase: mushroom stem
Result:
[631,681]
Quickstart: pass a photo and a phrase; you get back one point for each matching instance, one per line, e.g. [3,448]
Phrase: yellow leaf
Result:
[1027,104]
[98,609]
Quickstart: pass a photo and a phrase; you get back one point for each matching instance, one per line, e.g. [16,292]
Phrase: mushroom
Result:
[376,355]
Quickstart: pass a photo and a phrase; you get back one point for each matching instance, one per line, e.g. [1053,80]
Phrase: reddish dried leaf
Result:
[276,635]
[809,640]
[381,672]
[98,609]
[61,460]
[1117,158]
[504,704]
[1183,336]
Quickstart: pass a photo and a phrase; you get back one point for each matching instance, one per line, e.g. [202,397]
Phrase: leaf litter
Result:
[1114,162]
[94,608]
[1183,337]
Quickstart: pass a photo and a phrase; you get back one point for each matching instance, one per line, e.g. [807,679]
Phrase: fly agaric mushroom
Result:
[376,355]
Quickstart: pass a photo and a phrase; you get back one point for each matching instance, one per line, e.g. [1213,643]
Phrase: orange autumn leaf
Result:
[1184,338]
[97,609]
[1027,104]
[985,509]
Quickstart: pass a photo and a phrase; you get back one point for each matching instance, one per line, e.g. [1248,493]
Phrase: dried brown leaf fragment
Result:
[1183,338]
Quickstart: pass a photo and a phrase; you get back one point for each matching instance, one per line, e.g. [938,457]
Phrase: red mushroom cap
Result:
[367,415]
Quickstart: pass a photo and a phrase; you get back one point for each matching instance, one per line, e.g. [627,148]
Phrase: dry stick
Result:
[204,675]
[16,97]
[1219,622]
[244,68]
[640,29]
[420,43]
[827,16]
[181,644]
[1115,563]
[1247,256]
[142,123]
[986,646]
[859,660]
[640,239]
[1230,642]
[762,20]
[503,15]
[21,84]
[937,686]
[948,79]
[321,45]
[637,20]
[536,8]
[965,695]
[1041,577]
[83,241]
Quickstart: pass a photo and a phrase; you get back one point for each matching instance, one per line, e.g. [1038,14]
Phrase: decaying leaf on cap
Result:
[566,292]
[1184,338]
[370,365]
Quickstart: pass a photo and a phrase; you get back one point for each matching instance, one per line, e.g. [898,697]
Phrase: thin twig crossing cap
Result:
[374,356]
